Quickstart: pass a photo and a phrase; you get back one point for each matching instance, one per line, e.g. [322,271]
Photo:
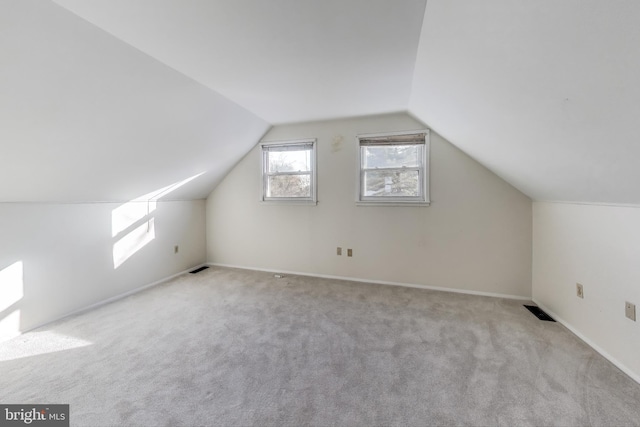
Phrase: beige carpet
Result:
[229,347]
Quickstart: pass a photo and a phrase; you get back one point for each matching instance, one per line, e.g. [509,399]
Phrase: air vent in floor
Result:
[537,311]
[198,270]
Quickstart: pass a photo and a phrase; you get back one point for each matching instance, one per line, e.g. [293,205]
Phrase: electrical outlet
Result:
[175,249]
[349,252]
[630,310]
[579,290]
[339,251]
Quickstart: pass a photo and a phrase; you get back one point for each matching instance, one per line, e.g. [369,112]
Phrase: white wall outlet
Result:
[630,310]
[579,290]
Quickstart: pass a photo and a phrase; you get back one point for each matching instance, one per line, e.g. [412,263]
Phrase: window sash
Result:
[418,197]
[267,173]
[395,139]
[419,161]
[270,190]
[298,148]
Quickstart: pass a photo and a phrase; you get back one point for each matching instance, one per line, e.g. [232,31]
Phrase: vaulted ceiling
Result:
[284,60]
[545,93]
[112,99]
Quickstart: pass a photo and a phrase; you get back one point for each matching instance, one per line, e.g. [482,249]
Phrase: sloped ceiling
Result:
[543,93]
[284,60]
[86,117]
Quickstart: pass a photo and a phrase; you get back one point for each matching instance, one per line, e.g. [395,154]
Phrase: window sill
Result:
[289,202]
[393,204]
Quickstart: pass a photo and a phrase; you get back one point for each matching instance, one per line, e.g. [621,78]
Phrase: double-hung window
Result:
[394,168]
[289,171]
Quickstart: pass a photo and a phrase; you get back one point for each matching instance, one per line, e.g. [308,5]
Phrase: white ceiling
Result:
[284,60]
[86,117]
[545,93]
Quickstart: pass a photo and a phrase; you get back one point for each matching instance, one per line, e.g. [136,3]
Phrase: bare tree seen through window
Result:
[289,173]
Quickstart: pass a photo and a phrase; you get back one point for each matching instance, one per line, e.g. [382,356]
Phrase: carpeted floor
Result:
[230,347]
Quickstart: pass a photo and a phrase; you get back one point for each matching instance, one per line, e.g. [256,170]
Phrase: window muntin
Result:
[393,168]
[288,171]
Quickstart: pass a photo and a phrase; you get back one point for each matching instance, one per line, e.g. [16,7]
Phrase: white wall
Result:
[475,236]
[57,258]
[599,247]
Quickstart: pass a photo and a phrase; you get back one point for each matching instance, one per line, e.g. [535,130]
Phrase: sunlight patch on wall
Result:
[134,210]
[129,214]
[11,285]
[131,243]
[36,343]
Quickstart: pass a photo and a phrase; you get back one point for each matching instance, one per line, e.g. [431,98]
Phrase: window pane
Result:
[289,186]
[289,161]
[391,184]
[392,156]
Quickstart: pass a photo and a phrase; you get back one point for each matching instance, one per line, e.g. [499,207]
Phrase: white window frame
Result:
[422,200]
[313,199]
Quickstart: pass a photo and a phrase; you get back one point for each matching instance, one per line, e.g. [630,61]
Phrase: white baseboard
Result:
[378,282]
[590,343]
[108,300]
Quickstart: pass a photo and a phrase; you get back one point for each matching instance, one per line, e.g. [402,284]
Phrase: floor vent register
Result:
[537,311]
